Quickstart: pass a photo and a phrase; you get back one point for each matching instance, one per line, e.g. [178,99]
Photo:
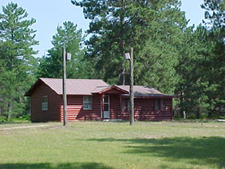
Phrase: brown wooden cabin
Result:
[90,99]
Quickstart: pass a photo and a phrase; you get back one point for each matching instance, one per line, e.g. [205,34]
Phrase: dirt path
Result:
[24,127]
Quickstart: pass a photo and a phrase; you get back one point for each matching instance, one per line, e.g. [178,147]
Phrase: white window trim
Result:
[87,100]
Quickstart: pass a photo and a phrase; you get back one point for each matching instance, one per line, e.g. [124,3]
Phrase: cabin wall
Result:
[115,106]
[53,112]
[144,110]
[75,108]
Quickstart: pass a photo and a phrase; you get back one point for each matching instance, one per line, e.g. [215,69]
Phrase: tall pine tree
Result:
[214,58]
[17,65]
[51,65]
[152,28]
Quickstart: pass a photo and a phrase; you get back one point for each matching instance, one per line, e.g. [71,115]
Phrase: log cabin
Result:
[93,99]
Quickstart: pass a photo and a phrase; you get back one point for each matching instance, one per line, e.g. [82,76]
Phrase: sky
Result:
[51,13]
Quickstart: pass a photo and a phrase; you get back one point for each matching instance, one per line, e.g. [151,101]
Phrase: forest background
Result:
[169,55]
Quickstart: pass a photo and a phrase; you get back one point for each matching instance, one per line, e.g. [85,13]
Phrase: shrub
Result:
[3,119]
[192,116]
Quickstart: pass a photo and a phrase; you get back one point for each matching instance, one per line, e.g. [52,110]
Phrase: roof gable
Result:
[105,89]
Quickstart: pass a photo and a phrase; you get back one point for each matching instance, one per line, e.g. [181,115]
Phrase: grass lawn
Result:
[108,145]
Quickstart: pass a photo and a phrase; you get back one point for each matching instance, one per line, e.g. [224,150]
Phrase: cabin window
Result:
[87,102]
[162,104]
[125,105]
[45,103]
[128,104]
[157,105]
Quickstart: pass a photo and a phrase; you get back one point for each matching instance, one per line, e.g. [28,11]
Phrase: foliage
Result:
[15,119]
[51,65]
[17,65]
[201,64]
[3,119]
[214,56]
[168,55]
[118,25]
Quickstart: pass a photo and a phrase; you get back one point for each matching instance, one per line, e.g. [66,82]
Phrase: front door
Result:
[106,107]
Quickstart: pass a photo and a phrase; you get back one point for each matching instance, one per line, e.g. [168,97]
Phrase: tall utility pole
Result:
[64,86]
[131,88]
[130,56]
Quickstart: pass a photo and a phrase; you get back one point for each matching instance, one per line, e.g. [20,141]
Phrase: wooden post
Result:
[131,89]
[103,100]
[64,86]
[120,106]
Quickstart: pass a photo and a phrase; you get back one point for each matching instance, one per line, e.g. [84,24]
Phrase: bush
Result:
[221,117]
[20,119]
[3,119]
[23,118]
[192,116]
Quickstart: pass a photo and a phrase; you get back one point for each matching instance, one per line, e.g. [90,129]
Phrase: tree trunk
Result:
[9,111]
[122,47]
[198,113]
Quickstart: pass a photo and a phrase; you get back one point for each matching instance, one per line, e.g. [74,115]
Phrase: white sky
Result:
[51,13]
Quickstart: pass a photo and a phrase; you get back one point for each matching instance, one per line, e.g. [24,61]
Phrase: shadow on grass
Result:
[201,151]
[57,166]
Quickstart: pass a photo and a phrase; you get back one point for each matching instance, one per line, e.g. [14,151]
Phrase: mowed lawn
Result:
[113,145]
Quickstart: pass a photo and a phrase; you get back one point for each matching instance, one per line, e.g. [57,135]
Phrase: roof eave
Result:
[151,96]
[33,87]
[110,88]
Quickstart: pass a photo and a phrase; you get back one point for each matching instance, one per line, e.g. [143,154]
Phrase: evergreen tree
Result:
[201,64]
[17,65]
[51,65]
[152,28]
[192,84]
[214,57]
[158,56]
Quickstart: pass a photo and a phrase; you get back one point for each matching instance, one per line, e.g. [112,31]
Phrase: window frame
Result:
[125,105]
[87,100]
[157,104]
[44,103]
[162,104]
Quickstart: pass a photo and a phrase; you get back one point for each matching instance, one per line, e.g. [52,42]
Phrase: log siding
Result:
[144,107]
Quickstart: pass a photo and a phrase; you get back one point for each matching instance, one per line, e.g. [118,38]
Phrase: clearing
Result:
[112,145]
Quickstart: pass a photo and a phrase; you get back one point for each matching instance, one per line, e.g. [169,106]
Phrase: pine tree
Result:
[18,66]
[51,65]
[192,83]
[214,57]
[147,26]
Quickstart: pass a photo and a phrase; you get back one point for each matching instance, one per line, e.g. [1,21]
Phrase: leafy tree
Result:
[17,65]
[51,65]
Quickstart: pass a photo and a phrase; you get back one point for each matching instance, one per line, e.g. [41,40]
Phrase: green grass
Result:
[108,145]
